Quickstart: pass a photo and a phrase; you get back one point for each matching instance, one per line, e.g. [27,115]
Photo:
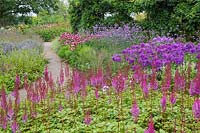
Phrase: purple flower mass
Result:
[161,50]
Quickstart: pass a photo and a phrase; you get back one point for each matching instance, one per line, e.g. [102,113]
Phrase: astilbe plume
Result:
[144,86]
[3,99]
[46,74]
[135,111]
[14,126]
[119,82]
[87,118]
[3,119]
[61,79]
[150,128]
[10,112]
[153,80]
[76,85]
[195,86]
[97,81]
[179,81]
[172,97]
[167,78]
[196,109]
[15,93]
[163,102]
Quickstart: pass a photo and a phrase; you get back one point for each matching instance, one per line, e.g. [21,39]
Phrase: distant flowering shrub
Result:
[75,39]
[159,51]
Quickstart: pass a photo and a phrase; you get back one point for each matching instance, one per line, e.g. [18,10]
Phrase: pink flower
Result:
[87,118]
[118,82]
[179,81]
[3,99]
[135,110]
[172,97]
[150,128]
[14,126]
[196,108]
[144,85]
[24,117]
[163,102]
[46,74]
[61,79]
[10,112]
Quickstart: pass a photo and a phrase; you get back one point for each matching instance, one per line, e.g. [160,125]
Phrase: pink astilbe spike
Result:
[97,79]
[195,86]
[4,120]
[76,84]
[14,126]
[87,118]
[135,111]
[3,99]
[46,74]
[10,112]
[179,81]
[163,102]
[61,78]
[150,128]
[196,109]
[119,83]
[172,97]
[153,80]
[166,83]
[144,86]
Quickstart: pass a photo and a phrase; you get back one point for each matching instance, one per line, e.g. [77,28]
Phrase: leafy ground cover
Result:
[99,102]
[21,54]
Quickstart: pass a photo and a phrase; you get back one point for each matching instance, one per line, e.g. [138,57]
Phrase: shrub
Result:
[50,31]
[20,57]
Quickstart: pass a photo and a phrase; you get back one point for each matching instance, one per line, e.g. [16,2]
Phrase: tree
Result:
[9,9]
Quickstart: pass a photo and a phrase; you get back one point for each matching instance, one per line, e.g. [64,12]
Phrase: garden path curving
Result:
[54,64]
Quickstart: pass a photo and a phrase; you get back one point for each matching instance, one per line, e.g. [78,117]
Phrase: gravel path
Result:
[53,67]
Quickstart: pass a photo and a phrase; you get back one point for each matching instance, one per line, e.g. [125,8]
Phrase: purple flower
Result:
[163,102]
[118,82]
[116,58]
[24,117]
[10,112]
[14,126]
[135,110]
[3,99]
[195,87]
[196,108]
[144,86]
[150,128]
[87,118]
[172,97]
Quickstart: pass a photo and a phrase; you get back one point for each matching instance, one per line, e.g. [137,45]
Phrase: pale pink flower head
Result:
[163,102]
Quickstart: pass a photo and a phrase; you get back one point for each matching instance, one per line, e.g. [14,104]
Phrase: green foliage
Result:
[84,14]
[170,16]
[50,31]
[20,54]
[9,9]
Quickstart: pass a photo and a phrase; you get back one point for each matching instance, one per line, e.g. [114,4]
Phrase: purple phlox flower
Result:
[150,128]
[135,110]
[3,99]
[14,126]
[163,102]
[196,108]
[116,58]
[87,118]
